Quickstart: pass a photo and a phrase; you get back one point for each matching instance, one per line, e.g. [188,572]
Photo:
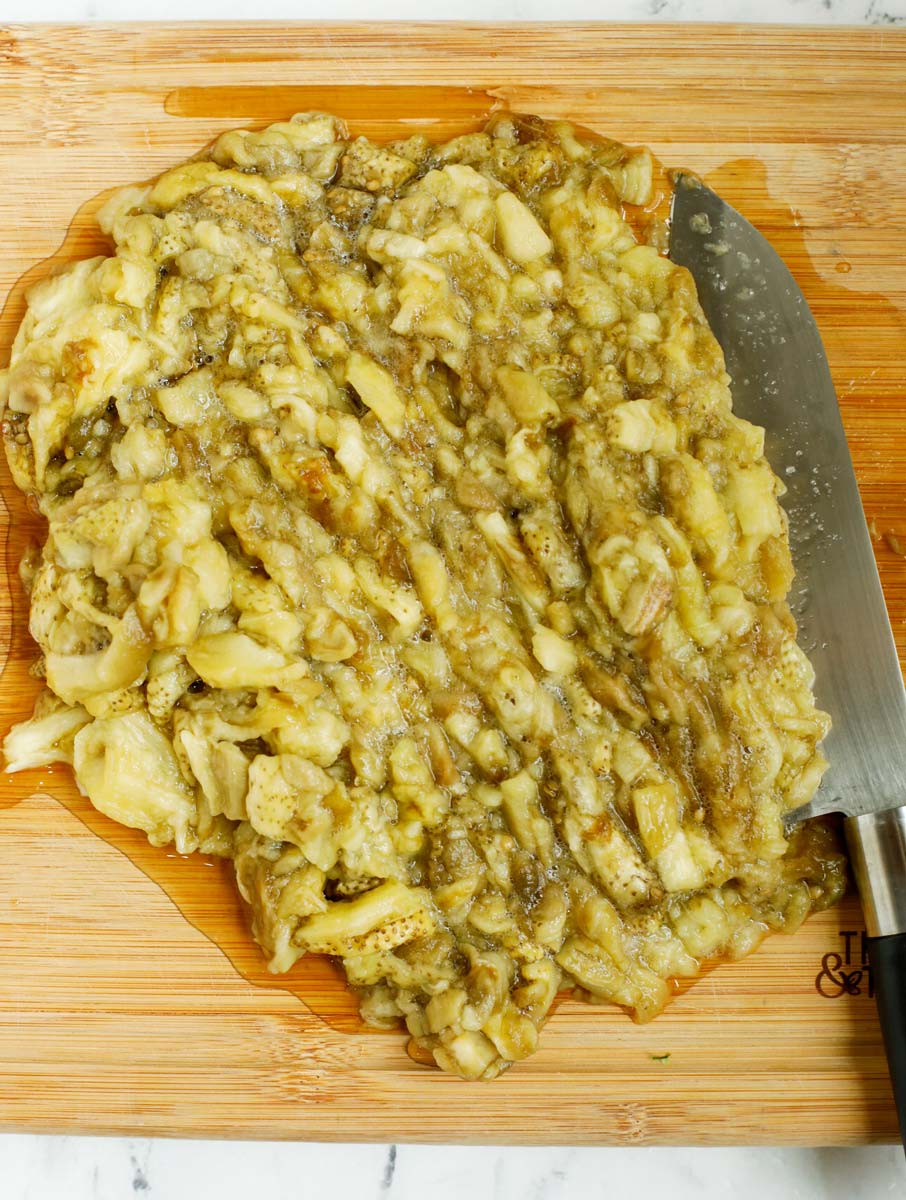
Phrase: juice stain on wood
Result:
[380,112]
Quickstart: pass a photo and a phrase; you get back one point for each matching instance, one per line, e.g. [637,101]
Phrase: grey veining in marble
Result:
[69,1168]
[846,12]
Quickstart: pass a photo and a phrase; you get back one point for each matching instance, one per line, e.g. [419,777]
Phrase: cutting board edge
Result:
[518,34]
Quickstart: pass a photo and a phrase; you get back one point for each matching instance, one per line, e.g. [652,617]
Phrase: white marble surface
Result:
[844,12]
[72,1168]
[68,1168]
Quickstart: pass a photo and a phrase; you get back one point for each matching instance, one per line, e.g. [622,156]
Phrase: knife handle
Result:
[887,956]
[877,849]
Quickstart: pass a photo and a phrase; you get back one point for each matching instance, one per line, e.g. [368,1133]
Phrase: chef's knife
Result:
[780,380]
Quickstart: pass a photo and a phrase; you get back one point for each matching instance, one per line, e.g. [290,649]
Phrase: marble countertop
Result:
[838,12]
[74,1168]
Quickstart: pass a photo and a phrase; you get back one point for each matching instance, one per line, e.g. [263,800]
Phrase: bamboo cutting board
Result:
[131,997]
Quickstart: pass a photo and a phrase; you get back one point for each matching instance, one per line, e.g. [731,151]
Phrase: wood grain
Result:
[131,997]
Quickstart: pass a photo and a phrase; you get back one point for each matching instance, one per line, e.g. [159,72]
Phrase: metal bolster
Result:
[877,850]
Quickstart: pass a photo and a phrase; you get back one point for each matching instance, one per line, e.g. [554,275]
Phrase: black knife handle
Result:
[887,956]
[877,851]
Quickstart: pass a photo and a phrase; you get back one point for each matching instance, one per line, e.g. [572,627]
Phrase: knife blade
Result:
[780,380]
